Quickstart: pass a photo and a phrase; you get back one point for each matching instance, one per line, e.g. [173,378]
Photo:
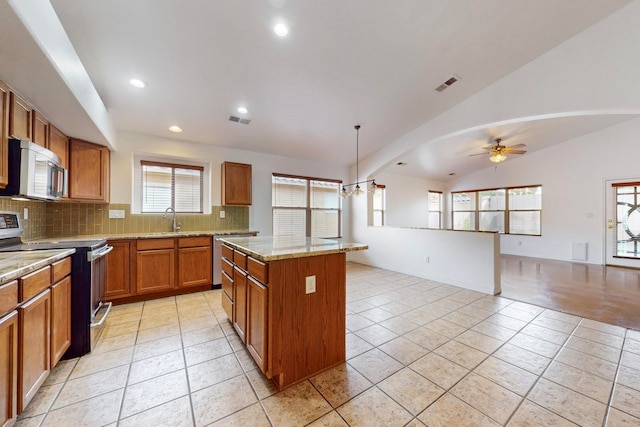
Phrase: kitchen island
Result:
[286,299]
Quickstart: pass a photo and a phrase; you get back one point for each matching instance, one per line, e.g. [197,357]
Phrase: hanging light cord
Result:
[357,127]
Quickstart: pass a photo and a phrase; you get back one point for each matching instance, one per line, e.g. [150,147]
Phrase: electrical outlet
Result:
[116,213]
[310,284]
[221,214]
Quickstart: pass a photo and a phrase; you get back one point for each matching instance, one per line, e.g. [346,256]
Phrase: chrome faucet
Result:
[176,225]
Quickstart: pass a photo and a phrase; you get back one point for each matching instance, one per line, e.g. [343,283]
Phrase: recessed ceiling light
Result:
[242,110]
[401,164]
[281,30]
[137,83]
[175,129]
[452,174]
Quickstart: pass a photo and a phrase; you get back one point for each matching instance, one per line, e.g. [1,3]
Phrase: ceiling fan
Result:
[499,152]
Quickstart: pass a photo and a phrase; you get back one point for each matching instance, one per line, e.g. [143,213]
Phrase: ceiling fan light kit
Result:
[499,152]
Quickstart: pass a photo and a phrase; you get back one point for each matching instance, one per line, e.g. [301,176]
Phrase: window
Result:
[506,210]
[171,185]
[306,206]
[434,213]
[379,203]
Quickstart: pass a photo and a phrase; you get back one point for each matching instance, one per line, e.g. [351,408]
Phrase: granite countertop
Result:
[16,264]
[134,236]
[269,248]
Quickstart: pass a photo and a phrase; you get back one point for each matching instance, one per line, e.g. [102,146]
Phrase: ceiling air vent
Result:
[239,120]
[448,83]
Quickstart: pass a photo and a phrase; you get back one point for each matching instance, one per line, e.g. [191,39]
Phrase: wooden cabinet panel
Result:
[19,117]
[8,297]
[89,171]
[39,129]
[236,183]
[34,338]
[149,244]
[155,270]
[60,269]
[227,252]
[195,266]
[227,286]
[240,302]
[257,269]
[227,266]
[240,260]
[192,242]
[33,283]
[257,322]
[4,132]
[227,305]
[118,271]
[60,319]
[8,369]
[59,144]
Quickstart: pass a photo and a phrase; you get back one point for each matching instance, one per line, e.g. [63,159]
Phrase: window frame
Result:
[439,211]
[383,210]
[506,212]
[308,209]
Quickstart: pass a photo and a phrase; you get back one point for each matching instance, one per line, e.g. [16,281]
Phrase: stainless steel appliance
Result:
[34,172]
[88,278]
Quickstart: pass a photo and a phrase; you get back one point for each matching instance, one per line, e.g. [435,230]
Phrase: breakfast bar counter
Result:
[286,299]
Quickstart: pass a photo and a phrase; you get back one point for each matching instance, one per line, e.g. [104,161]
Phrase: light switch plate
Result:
[116,213]
[221,214]
[310,284]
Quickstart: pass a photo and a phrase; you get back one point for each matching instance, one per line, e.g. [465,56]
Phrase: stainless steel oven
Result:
[99,308]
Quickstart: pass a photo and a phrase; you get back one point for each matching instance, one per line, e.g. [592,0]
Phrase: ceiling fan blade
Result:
[510,151]
[487,147]
[518,146]
[478,154]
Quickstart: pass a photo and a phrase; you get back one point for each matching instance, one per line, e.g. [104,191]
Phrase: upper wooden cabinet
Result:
[89,171]
[4,134]
[59,144]
[236,184]
[19,117]
[40,129]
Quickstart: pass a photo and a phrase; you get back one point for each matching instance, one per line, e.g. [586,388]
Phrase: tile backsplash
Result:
[60,219]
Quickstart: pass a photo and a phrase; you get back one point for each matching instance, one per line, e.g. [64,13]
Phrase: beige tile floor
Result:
[418,353]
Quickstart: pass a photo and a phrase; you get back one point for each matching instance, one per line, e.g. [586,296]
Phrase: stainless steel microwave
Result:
[34,173]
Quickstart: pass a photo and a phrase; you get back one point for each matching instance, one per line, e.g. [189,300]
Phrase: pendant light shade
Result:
[357,190]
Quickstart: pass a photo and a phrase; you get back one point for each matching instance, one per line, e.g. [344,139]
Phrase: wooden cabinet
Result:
[89,171]
[58,142]
[194,261]
[39,129]
[257,322]
[236,184]
[34,362]
[8,368]
[60,319]
[155,265]
[19,117]
[118,271]
[240,302]
[4,134]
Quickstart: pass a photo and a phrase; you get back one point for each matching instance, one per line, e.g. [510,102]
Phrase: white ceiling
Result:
[375,63]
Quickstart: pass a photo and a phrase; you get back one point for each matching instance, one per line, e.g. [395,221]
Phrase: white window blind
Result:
[170,185]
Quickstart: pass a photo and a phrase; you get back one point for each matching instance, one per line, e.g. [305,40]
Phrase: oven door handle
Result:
[107,308]
[93,255]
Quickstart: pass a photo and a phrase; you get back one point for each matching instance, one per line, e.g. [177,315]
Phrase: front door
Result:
[622,245]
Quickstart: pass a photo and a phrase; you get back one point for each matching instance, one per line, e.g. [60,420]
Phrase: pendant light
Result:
[357,190]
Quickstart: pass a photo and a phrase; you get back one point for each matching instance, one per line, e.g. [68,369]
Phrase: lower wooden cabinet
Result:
[155,270]
[118,270]
[34,360]
[8,368]
[60,319]
[240,302]
[195,261]
[257,322]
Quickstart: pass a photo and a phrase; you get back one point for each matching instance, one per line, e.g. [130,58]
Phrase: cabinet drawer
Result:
[227,285]
[227,252]
[60,269]
[192,242]
[147,244]
[227,267]
[8,297]
[240,260]
[34,283]
[227,305]
[257,269]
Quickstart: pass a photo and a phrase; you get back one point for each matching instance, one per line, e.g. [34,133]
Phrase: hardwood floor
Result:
[606,294]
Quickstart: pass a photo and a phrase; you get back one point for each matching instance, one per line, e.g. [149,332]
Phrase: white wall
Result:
[406,199]
[263,166]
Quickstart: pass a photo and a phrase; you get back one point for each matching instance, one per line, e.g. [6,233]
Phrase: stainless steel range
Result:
[88,278]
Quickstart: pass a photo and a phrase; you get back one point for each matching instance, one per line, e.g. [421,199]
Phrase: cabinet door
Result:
[155,270]
[40,129]
[8,368]
[240,302]
[236,184]
[59,144]
[118,271]
[19,117]
[257,322]
[194,266]
[34,338]
[4,131]
[60,319]
[88,171]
